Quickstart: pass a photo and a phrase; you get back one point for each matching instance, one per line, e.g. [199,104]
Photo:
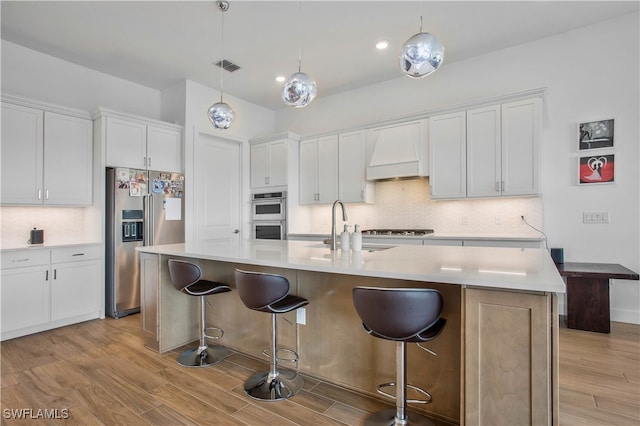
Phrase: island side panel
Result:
[335,347]
[508,355]
[179,317]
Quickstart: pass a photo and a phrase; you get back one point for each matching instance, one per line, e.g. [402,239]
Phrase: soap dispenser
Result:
[357,239]
[344,238]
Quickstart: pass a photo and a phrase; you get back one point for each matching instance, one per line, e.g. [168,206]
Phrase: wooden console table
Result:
[588,293]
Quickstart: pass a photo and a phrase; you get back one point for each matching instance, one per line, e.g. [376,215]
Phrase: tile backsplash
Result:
[61,225]
[406,204]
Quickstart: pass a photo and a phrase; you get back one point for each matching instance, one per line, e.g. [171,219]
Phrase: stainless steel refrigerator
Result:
[143,208]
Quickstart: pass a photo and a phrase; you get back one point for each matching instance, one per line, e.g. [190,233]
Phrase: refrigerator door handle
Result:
[145,214]
[151,218]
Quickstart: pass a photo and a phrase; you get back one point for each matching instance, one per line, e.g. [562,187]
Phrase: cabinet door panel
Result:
[483,152]
[259,165]
[352,168]
[22,155]
[520,129]
[508,359]
[68,160]
[328,169]
[164,149]
[75,289]
[308,171]
[278,161]
[126,143]
[25,297]
[447,144]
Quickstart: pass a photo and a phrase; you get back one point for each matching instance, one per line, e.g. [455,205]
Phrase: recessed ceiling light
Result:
[382,44]
[280,78]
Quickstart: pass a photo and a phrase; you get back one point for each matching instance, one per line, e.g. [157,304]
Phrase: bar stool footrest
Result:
[216,330]
[380,390]
[292,352]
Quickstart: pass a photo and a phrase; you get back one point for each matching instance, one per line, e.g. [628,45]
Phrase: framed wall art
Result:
[596,169]
[595,134]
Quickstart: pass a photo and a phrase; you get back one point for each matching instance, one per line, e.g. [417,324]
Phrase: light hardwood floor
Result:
[102,374]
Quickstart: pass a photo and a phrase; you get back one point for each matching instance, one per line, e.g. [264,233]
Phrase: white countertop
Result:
[528,269]
[46,245]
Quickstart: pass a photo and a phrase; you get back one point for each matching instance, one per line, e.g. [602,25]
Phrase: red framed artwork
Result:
[595,169]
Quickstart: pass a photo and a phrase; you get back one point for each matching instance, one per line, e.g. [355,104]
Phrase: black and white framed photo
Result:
[595,134]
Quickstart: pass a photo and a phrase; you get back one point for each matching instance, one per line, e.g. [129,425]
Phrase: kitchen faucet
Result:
[334,244]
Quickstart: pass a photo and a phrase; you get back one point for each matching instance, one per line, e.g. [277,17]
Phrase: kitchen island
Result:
[496,359]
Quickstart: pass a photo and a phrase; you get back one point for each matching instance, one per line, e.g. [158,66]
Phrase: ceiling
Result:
[157,44]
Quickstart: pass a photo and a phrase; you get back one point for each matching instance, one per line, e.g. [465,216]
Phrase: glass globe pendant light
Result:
[300,89]
[220,114]
[421,55]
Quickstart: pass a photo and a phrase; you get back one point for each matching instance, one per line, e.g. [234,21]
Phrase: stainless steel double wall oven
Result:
[269,216]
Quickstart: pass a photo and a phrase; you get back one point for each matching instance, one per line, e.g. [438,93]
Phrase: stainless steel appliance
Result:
[142,208]
[269,216]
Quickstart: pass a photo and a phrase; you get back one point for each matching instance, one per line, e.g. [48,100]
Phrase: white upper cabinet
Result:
[447,145]
[46,157]
[490,151]
[126,144]
[484,152]
[520,135]
[319,170]
[68,160]
[22,154]
[269,163]
[164,149]
[353,186]
[140,144]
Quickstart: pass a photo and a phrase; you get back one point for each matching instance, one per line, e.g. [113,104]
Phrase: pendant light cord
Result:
[299,36]
[222,10]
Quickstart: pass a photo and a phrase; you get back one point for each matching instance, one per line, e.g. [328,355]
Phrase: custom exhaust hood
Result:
[398,150]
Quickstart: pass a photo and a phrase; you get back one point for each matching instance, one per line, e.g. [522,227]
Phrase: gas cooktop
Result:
[398,232]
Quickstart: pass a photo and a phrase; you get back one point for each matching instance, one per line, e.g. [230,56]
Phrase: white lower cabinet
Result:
[25,297]
[44,289]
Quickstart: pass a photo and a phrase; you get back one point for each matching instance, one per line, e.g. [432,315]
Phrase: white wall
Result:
[41,77]
[589,73]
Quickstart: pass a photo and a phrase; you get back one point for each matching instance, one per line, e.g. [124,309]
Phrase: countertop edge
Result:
[548,283]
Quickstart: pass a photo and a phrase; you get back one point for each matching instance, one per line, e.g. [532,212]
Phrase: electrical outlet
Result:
[301,316]
[499,220]
[595,217]
[465,220]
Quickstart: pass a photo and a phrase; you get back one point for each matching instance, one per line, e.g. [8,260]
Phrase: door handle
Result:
[236,231]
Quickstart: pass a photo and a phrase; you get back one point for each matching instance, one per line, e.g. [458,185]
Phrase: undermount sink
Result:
[365,247]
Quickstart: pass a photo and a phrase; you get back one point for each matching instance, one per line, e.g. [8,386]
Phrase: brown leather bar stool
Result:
[270,293]
[185,277]
[402,315]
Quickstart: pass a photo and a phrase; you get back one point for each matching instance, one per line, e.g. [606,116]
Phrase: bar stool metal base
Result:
[388,418]
[202,357]
[265,387]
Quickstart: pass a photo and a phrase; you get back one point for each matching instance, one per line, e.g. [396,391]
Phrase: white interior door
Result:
[217,191]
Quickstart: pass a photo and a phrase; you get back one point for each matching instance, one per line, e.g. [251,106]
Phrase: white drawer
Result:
[74,254]
[24,258]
